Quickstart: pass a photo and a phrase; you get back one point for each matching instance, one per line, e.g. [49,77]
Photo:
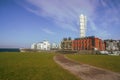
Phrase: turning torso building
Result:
[82,26]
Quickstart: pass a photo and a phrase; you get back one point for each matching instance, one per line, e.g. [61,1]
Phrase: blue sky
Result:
[23,22]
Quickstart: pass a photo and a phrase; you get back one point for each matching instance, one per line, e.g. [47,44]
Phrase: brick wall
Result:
[88,43]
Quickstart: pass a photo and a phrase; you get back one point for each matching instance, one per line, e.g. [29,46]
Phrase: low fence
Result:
[61,51]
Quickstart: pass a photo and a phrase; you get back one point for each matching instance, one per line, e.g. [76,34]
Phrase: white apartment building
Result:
[34,46]
[45,45]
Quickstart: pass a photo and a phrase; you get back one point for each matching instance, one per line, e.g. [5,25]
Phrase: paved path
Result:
[84,71]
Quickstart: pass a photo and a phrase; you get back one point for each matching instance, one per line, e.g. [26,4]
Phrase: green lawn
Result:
[31,66]
[104,61]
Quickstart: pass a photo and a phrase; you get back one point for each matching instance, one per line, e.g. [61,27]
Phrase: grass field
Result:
[104,61]
[31,66]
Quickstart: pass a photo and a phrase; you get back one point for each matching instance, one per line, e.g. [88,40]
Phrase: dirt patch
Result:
[84,71]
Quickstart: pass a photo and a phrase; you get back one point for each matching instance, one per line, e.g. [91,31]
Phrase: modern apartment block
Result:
[45,45]
[88,43]
[66,44]
[112,45]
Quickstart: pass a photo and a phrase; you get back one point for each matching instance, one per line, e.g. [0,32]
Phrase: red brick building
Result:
[88,43]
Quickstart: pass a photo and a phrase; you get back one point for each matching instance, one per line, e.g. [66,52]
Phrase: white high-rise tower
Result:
[82,26]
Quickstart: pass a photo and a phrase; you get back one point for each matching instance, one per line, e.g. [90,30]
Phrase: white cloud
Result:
[48,31]
[92,25]
[62,12]
[104,34]
[65,14]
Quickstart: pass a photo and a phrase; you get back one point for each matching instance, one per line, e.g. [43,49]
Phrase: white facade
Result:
[40,45]
[34,46]
[54,46]
[82,25]
[45,45]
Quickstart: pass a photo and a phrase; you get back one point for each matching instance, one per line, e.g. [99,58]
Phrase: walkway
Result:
[84,71]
